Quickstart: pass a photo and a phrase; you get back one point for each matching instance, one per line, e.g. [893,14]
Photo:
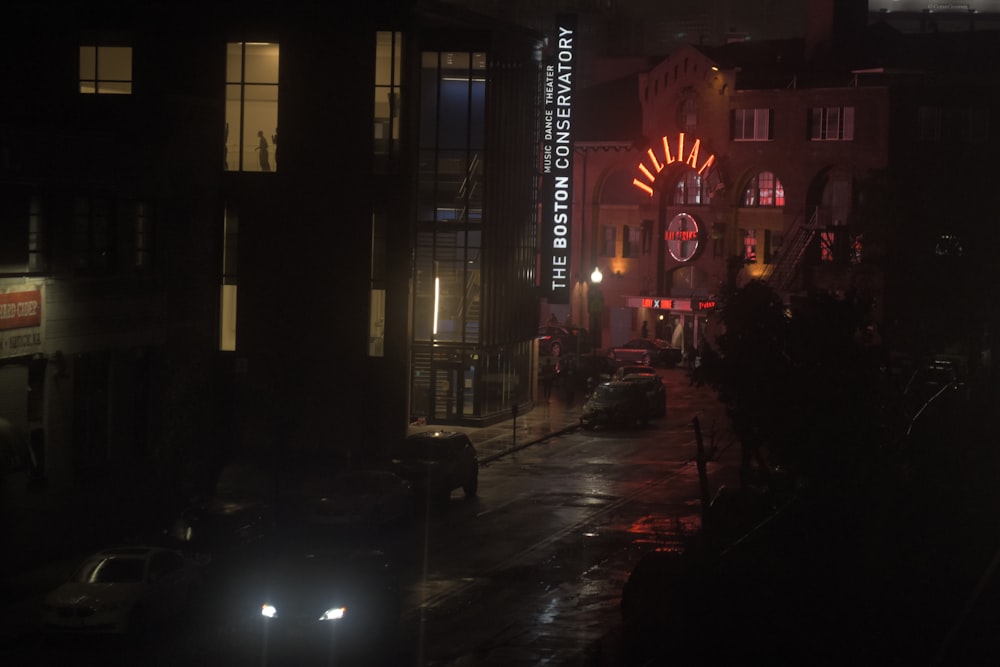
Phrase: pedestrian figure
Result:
[645,329]
[547,376]
[265,162]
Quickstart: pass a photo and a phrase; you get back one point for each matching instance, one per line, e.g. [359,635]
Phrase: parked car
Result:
[652,385]
[655,352]
[555,340]
[436,463]
[123,589]
[591,370]
[616,402]
[240,510]
[370,497]
[620,372]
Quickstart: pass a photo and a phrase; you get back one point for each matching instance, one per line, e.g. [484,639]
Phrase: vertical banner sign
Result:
[557,163]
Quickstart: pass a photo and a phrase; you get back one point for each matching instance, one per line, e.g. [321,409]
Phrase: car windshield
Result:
[607,392]
[119,570]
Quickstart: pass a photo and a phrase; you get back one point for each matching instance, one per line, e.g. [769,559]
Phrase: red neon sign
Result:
[656,303]
[657,163]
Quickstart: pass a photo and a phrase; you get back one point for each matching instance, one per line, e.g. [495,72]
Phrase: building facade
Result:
[812,164]
[175,290]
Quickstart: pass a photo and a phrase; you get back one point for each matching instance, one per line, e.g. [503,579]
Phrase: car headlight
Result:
[268,610]
[333,614]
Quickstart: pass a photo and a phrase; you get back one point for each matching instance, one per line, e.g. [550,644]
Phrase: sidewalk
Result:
[541,422]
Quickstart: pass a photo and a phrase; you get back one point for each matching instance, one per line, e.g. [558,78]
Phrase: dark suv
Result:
[616,403]
[436,463]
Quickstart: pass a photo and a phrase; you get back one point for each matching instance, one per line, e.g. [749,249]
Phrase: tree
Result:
[747,364]
[800,385]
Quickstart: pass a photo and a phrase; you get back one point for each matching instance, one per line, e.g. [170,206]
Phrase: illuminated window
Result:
[694,190]
[143,236]
[91,234]
[827,244]
[688,189]
[608,241]
[832,124]
[855,246]
[752,124]
[251,129]
[452,136]
[447,289]
[750,246]
[451,139]
[377,277]
[764,190]
[37,238]
[105,69]
[387,92]
[227,296]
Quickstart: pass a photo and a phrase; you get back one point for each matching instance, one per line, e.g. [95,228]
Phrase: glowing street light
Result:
[596,276]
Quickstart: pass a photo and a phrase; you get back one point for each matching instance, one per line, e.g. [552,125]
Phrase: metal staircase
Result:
[788,260]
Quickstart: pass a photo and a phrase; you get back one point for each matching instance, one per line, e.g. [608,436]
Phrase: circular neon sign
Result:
[682,237]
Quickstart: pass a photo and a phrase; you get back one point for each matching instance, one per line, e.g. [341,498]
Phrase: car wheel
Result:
[556,349]
[472,487]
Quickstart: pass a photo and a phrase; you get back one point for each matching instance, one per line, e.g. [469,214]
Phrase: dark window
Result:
[608,245]
[831,124]
[92,223]
[647,237]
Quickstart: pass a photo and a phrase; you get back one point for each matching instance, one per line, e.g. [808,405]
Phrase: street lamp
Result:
[595,304]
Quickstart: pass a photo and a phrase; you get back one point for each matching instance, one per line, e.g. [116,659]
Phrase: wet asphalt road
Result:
[528,573]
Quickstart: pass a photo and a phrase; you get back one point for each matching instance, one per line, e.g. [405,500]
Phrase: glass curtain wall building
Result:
[473,300]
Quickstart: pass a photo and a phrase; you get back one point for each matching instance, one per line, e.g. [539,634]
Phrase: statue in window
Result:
[265,162]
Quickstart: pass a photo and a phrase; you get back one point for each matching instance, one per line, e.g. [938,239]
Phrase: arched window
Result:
[693,189]
[764,190]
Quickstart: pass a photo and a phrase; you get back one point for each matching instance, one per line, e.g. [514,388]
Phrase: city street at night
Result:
[531,571]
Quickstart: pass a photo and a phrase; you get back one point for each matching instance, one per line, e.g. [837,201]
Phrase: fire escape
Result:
[787,262]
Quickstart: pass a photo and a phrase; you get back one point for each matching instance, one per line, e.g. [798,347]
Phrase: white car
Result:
[117,589]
